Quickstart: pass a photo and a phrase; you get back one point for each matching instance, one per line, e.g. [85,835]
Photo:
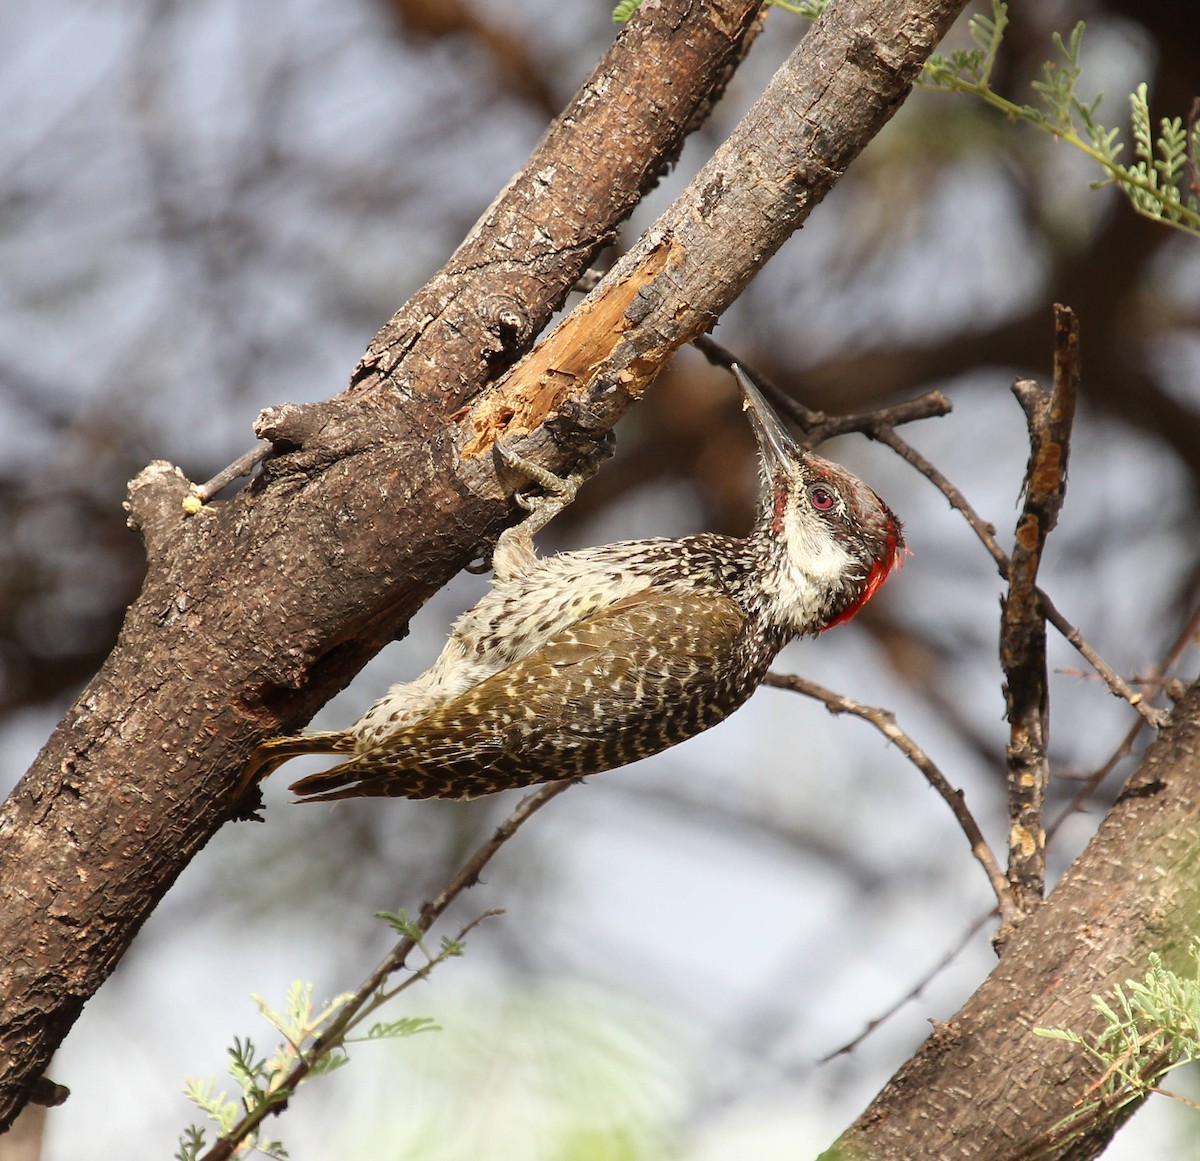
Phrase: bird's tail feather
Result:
[328,785]
[268,756]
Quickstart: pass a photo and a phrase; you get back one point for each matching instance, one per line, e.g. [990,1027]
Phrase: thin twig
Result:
[242,466]
[885,722]
[1118,686]
[816,425]
[1022,624]
[1188,636]
[223,1148]
[986,533]
[984,530]
[913,993]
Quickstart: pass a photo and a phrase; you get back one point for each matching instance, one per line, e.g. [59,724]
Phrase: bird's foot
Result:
[554,492]
[514,550]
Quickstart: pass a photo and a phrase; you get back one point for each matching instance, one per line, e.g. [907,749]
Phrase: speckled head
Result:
[836,540]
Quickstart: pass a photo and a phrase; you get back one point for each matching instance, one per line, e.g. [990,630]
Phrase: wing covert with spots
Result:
[650,670]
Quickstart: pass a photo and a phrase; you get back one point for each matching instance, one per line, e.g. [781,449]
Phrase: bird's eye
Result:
[821,498]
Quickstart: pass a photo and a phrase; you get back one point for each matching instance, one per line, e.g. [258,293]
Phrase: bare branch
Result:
[880,426]
[1157,718]
[816,425]
[913,993]
[986,533]
[1022,624]
[885,722]
[1188,636]
[240,467]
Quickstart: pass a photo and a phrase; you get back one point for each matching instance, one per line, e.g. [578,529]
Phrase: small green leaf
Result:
[330,1063]
[401,923]
[191,1141]
[408,1026]
[244,1068]
[1150,182]
[205,1095]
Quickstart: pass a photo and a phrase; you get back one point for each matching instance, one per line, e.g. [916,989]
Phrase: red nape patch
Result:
[875,578]
[781,503]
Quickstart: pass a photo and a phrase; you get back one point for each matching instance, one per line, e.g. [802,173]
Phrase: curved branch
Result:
[885,722]
[818,426]
[986,532]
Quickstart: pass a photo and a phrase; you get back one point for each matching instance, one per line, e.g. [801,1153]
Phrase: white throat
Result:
[800,579]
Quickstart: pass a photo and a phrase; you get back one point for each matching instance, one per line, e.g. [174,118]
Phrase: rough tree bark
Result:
[255,611]
[983,1085]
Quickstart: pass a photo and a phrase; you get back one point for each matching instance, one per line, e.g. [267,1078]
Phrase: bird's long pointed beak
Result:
[778,446]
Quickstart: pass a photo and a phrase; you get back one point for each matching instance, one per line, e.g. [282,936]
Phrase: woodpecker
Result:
[585,661]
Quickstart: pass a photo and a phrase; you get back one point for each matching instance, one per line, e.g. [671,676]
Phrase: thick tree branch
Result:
[1131,892]
[851,71]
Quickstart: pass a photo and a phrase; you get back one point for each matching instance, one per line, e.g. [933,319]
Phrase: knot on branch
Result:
[289,426]
[48,1094]
[507,320]
[157,504]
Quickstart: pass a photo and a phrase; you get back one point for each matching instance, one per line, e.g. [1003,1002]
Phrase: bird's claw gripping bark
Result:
[556,492]
[514,552]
